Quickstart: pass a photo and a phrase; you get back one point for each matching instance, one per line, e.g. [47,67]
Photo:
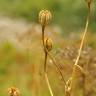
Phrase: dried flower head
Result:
[13,91]
[48,43]
[44,17]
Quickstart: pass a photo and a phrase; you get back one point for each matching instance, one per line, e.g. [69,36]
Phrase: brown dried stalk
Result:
[44,18]
[79,53]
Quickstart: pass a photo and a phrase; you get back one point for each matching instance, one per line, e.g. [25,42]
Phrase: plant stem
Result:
[49,54]
[48,84]
[54,62]
[46,76]
[45,63]
[78,57]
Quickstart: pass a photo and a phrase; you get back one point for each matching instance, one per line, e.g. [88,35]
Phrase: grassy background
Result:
[66,13]
[23,68]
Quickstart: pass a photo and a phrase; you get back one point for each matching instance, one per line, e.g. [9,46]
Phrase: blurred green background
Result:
[21,54]
[69,14]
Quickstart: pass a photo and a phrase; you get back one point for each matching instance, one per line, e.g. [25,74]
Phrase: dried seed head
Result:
[44,17]
[13,91]
[48,43]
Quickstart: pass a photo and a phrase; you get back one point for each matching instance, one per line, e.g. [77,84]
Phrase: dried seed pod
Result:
[44,17]
[48,43]
[13,91]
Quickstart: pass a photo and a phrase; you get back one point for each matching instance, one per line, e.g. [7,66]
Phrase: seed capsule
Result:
[48,43]
[13,91]
[44,17]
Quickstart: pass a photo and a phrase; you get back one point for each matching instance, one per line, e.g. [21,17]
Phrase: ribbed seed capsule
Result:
[44,17]
[48,43]
[13,91]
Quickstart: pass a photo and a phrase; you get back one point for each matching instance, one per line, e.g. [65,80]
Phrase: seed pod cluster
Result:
[44,17]
[13,91]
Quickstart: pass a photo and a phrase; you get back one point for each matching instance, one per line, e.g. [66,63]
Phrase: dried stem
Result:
[51,57]
[54,62]
[44,17]
[58,68]
[78,57]
[48,84]
[45,62]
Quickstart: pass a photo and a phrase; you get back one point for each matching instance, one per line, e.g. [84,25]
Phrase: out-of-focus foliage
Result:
[21,53]
[68,13]
[24,69]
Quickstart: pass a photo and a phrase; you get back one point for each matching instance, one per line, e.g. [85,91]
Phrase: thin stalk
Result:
[48,84]
[46,76]
[79,54]
[54,62]
[45,63]
[43,35]
[49,54]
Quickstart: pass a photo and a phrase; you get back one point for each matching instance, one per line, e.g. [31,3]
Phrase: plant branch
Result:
[45,63]
[79,54]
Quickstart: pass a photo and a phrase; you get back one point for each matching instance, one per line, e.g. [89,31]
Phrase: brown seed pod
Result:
[44,17]
[48,43]
[13,91]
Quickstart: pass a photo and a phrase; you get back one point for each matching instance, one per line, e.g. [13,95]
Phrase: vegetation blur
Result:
[21,52]
[70,14]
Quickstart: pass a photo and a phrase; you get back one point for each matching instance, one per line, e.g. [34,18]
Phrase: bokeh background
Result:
[70,14]
[21,54]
